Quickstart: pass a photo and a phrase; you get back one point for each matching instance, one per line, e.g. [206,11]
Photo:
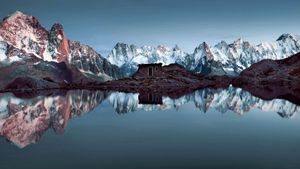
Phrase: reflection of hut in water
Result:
[148,70]
[150,98]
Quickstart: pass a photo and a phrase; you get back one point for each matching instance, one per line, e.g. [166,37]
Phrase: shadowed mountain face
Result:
[23,120]
[40,75]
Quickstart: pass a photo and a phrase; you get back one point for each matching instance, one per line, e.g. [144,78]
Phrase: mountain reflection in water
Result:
[24,120]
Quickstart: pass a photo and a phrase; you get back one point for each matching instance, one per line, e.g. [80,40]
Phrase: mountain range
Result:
[220,59]
[34,56]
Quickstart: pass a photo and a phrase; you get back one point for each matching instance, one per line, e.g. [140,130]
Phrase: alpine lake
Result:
[209,128]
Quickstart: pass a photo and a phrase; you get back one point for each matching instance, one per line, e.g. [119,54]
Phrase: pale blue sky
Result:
[103,23]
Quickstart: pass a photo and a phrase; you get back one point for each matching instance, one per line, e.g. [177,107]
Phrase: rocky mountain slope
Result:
[220,59]
[270,79]
[24,42]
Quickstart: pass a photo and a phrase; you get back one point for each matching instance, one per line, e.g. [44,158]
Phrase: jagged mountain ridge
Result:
[22,37]
[221,59]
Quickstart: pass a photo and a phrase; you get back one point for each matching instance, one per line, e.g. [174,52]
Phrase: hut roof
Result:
[151,64]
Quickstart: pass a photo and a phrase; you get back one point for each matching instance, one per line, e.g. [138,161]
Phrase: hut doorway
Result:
[150,71]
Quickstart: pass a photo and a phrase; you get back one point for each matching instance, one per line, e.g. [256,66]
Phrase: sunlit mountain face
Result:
[28,49]
[24,119]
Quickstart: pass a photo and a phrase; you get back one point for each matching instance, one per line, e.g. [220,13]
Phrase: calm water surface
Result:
[209,129]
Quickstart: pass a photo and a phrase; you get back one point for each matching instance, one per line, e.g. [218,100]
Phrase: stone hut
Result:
[150,98]
[148,70]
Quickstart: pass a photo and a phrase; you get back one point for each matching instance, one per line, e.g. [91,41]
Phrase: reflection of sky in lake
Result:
[184,138]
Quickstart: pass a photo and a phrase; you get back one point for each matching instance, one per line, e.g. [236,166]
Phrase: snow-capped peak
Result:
[15,15]
[221,44]
[176,48]
[203,45]
[239,41]
[21,19]
[286,36]
[203,50]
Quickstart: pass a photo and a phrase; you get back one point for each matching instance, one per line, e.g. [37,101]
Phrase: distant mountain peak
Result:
[162,48]
[121,45]
[14,15]
[58,38]
[203,45]
[176,48]
[57,26]
[221,44]
[57,33]
[239,41]
[285,36]
[19,18]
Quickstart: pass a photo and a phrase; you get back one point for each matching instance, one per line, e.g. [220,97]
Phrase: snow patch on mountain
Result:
[3,47]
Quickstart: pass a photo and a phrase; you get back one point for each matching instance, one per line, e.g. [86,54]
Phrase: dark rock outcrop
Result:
[271,79]
[174,81]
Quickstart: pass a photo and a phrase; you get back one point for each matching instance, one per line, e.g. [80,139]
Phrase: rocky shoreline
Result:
[175,81]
